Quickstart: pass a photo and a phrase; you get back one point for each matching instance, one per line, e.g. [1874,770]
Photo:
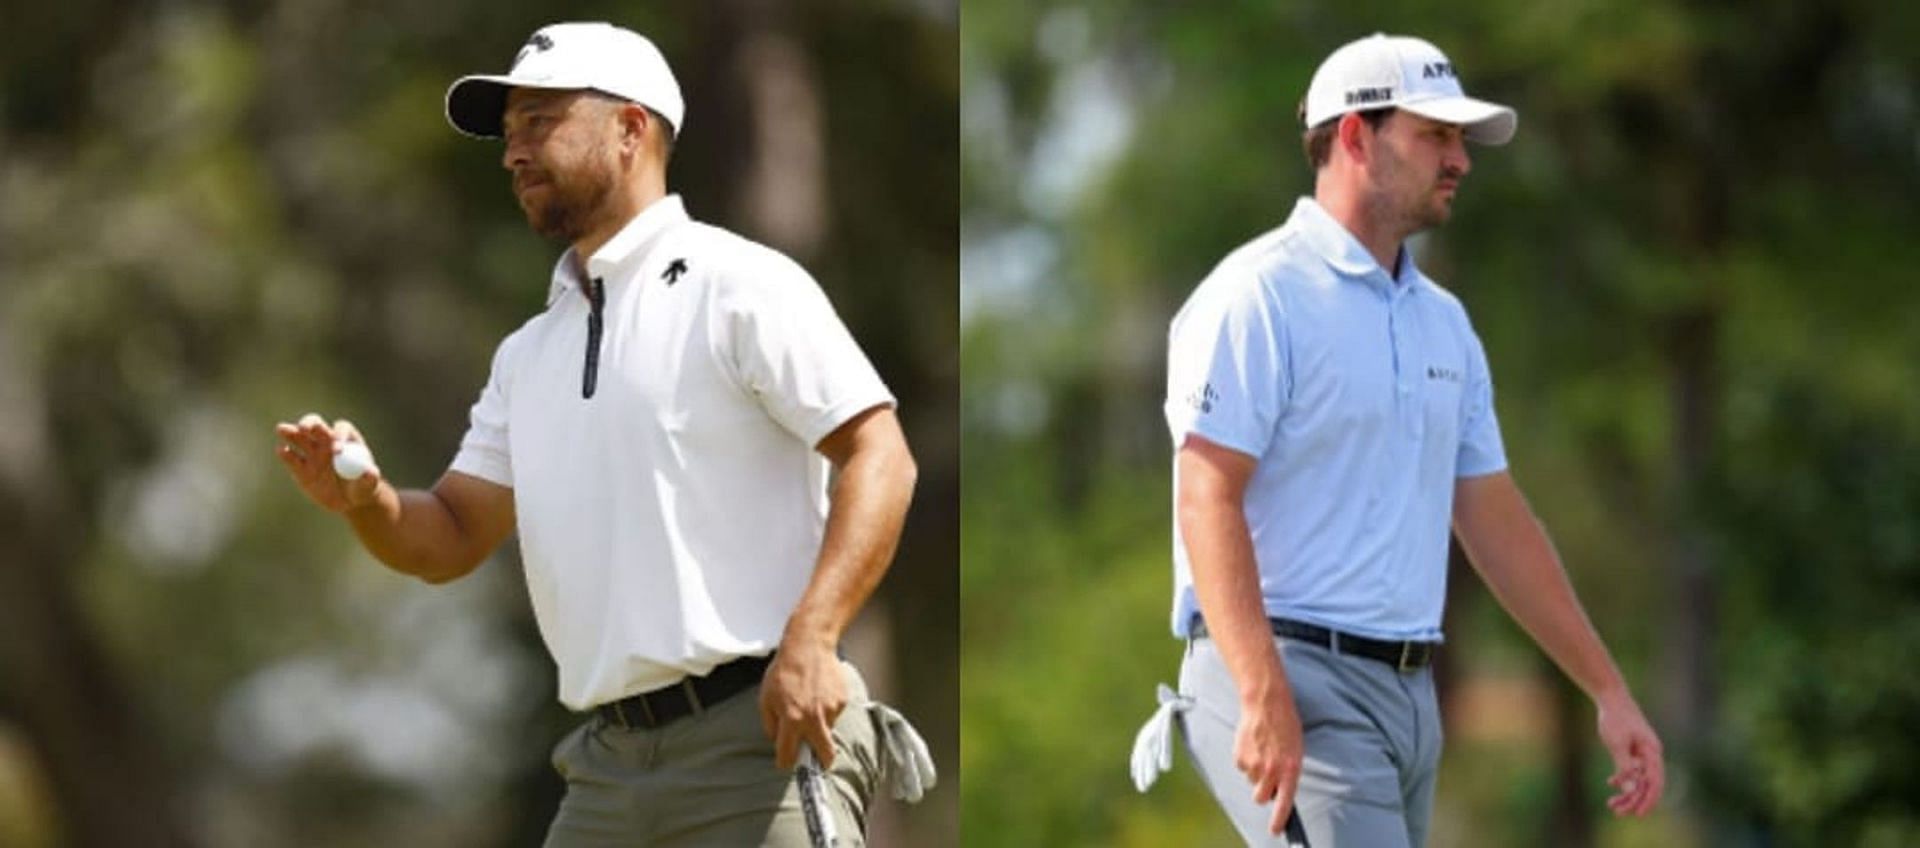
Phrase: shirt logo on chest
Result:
[674,270]
[1443,373]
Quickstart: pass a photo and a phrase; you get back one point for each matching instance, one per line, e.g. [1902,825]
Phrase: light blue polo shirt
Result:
[1363,397]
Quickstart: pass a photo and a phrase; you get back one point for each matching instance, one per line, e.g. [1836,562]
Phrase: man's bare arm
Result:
[804,691]
[1511,551]
[436,535]
[1210,506]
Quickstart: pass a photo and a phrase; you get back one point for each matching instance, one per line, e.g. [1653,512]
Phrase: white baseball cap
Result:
[570,56]
[1407,73]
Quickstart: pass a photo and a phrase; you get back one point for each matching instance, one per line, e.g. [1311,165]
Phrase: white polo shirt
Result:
[1362,396]
[671,521]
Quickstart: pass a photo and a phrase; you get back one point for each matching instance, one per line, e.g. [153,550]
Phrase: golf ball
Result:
[351,460]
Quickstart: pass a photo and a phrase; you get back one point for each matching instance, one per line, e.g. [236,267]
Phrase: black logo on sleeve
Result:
[1203,398]
[674,270]
[1373,94]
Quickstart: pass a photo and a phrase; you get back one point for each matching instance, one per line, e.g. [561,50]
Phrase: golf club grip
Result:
[1295,833]
[806,776]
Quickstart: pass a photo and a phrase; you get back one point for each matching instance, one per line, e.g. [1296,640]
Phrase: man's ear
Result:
[634,121]
[1354,136]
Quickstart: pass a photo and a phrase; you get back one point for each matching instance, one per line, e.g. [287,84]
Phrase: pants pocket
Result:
[563,751]
[856,761]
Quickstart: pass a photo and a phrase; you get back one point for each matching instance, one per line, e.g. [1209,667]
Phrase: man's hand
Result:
[1639,776]
[801,696]
[306,448]
[1267,748]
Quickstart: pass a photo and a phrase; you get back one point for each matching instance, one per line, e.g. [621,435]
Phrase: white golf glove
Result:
[1153,746]
[904,760]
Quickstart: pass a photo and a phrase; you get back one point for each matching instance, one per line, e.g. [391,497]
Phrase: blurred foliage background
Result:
[218,215]
[1693,271]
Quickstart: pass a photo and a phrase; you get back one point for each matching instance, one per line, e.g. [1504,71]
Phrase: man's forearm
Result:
[412,532]
[869,507]
[1226,581]
[1511,551]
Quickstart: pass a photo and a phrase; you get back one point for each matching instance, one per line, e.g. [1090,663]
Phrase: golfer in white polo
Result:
[1332,415]
[661,436]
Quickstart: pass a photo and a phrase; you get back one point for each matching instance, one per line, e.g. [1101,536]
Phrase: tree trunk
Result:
[1571,824]
[1693,618]
[109,780]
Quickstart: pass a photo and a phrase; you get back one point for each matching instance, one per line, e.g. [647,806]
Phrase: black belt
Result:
[691,695]
[1403,656]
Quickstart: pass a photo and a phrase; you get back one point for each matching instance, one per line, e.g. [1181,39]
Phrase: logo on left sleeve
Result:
[1203,398]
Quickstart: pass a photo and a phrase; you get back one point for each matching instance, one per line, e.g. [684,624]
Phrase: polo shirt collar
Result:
[623,251]
[1343,252]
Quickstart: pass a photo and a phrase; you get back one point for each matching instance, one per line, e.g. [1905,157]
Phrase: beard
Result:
[1429,211]
[565,204]
[1414,203]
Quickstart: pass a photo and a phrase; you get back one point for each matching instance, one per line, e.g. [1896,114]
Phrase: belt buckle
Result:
[1405,664]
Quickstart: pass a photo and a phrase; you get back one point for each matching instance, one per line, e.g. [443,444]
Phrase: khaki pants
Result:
[707,780]
[1372,746]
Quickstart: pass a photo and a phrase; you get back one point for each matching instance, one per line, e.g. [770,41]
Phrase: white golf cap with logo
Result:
[1397,71]
[571,56]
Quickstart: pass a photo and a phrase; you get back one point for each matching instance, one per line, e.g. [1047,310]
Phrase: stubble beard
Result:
[573,202]
[1418,207]
[1429,212]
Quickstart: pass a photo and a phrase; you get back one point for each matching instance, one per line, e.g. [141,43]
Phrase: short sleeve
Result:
[1227,369]
[789,348]
[483,451]
[1481,450]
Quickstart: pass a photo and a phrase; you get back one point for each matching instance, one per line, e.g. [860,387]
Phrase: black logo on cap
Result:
[1436,70]
[1378,94]
[539,43]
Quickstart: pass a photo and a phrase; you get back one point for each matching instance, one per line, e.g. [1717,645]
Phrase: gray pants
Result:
[1372,745]
[707,780]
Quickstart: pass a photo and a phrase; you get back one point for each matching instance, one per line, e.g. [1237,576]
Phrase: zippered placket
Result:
[590,371]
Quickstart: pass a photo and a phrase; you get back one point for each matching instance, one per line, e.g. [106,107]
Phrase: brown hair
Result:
[1317,141]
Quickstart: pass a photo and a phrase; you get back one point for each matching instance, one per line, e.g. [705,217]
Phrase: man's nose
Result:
[1457,157]
[513,154]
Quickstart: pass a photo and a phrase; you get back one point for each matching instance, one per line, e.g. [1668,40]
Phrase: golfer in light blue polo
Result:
[1332,417]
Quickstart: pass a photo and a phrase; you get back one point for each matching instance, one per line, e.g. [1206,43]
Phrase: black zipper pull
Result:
[590,374]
